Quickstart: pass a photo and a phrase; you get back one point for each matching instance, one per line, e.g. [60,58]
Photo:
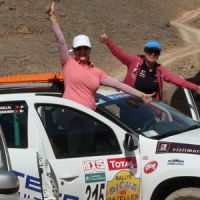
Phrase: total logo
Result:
[150,167]
[122,163]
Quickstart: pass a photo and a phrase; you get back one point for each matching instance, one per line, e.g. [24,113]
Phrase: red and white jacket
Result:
[134,63]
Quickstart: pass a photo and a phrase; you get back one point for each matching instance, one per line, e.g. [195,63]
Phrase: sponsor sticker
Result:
[33,188]
[150,167]
[163,147]
[96,177]
[122,163]
[123,186]
[94,171]
[175,162]
[12,108]
[172,147]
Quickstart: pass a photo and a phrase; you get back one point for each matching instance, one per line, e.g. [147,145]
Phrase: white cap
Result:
[81,40]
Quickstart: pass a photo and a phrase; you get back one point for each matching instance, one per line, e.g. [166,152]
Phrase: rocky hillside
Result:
[27,44]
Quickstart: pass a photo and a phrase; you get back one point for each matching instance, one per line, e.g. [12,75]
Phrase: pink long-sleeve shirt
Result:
[134,62]
[81,81]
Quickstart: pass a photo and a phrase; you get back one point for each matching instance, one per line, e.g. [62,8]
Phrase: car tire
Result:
[185,194]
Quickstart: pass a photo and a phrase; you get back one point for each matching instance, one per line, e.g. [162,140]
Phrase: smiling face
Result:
[82,53]
[151,55]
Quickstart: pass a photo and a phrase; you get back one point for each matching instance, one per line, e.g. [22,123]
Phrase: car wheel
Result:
[185,194]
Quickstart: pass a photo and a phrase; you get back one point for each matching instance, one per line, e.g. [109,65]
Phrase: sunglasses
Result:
[84,48]
[154,51]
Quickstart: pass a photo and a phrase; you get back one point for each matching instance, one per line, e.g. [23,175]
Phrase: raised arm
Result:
[62,47]
[120,54]
[113,82]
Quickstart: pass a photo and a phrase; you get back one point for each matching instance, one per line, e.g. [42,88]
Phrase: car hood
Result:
[185,143]
[189,137]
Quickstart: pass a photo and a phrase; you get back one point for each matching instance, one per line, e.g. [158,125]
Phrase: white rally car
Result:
[125,150]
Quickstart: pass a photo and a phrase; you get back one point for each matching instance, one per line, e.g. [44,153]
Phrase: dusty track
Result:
[183,61]
[189,34]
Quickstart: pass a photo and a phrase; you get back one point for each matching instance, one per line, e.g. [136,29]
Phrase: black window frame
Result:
[37,105]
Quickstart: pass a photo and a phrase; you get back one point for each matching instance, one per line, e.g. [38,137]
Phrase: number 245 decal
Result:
[96,193]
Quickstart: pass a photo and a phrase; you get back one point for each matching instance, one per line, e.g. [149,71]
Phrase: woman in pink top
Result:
[81,77]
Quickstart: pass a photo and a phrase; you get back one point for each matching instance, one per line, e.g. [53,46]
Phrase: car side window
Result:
[179,101]
[14,120]
[76,134]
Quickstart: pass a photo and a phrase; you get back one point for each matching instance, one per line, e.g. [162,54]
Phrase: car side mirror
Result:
[9,183]
[130,143]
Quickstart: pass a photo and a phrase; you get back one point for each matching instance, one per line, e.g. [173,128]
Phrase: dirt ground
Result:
[27,44]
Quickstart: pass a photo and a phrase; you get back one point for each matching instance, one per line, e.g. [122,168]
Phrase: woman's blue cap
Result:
[153,44]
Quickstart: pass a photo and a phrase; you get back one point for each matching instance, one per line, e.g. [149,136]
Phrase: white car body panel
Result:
[8,197]
[72,173]
[165,171]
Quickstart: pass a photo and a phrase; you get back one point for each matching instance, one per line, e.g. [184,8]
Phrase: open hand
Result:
[50,9]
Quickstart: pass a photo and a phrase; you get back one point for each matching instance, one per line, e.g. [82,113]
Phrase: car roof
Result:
[32,83]
[50,84]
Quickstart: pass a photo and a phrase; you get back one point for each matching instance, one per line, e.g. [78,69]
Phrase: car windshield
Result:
[154,120]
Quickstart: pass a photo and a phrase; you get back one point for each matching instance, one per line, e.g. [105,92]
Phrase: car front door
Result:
[88,157]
